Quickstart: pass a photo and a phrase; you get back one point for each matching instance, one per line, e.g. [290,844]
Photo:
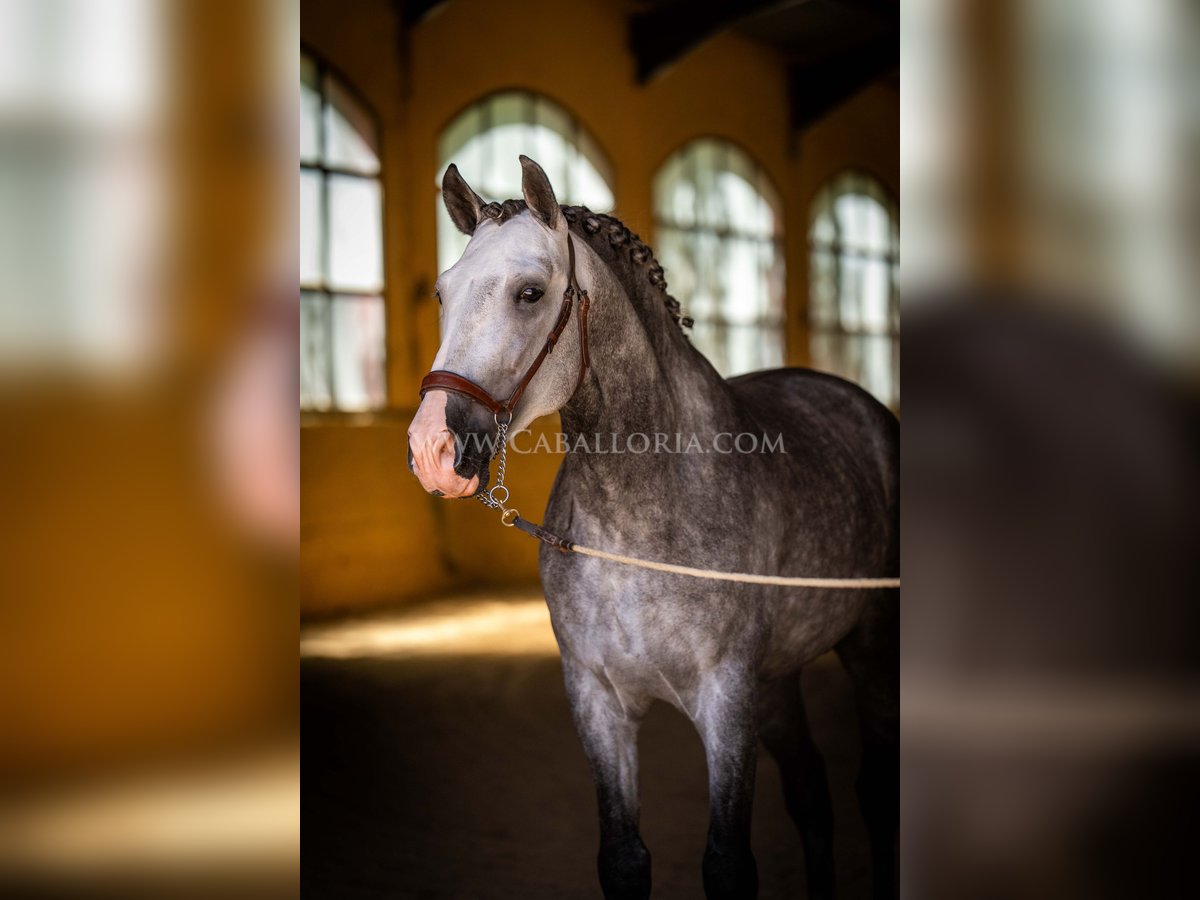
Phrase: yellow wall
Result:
[144,593]
[369,535]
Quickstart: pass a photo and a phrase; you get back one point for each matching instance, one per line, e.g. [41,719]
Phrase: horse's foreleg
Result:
[608,724]
[726,720]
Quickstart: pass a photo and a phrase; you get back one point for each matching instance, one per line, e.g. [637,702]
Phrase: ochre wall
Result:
[369,534]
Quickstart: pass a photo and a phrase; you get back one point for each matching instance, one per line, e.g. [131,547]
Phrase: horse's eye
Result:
[438,294]
[530,295]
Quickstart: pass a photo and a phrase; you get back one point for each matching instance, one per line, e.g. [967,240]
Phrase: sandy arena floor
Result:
[439,760]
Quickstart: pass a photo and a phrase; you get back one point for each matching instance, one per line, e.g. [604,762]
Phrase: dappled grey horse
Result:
[822,501]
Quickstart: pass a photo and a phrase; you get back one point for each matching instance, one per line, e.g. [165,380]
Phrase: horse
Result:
[823,501]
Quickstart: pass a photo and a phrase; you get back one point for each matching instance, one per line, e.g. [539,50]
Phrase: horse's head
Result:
[500,301]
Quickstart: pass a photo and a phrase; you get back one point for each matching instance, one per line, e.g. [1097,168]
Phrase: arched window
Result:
[719,236]
[485,140]
[854,309]
[341,247]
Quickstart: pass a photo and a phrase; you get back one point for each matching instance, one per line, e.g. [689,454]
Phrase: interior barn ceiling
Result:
[833,48]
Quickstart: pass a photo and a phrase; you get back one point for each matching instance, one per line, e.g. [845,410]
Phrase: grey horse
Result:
[822,501]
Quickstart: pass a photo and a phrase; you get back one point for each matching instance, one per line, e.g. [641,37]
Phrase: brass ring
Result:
[509,517]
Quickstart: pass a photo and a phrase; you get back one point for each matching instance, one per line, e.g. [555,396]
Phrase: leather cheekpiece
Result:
[445,380]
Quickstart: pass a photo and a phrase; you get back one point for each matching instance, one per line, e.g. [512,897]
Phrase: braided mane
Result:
[622,245]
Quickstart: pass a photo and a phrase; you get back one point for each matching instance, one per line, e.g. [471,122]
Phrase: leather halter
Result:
[443,380]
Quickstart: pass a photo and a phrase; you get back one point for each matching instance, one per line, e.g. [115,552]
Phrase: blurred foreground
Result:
[1051,664]
[148,457]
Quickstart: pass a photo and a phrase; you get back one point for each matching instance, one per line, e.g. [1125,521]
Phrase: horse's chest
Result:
[622,619]
[607,630]
[631,650]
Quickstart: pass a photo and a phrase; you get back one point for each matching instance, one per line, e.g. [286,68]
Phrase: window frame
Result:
[777,325]
[327,292]
[580,137]
[850,182]
[600,159]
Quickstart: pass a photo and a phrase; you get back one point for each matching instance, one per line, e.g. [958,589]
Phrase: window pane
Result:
[590,176]
[876,294]
[358,352]
[864,223]
[310,111]
[850,292]
[455,137]
[735,349]
[746,282]
[705,250]
[872,361]
[502,169]
[555,156]
[747,211]
[865,290]
[709,338]
[508,138]
[823,310]
[717,241]
[894,296]
[753,347]
[674,195]
[341,245]
[350,138]
[356,232]
[676,259]
[485,141]
[469,159]
[312,232]
[880,370]
[551,146]
[776,275]
[856,289]
[839,354]
[705,166]
[315,392]
[823,232]
[451,241]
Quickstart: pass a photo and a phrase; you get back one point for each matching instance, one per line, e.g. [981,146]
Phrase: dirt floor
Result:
[439,760]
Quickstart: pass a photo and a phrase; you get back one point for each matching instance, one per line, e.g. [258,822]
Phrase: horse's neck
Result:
[644,377]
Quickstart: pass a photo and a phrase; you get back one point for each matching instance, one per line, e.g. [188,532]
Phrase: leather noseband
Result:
[443,380]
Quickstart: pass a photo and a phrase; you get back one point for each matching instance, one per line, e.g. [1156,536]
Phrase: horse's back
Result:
[807,402]
[809,390]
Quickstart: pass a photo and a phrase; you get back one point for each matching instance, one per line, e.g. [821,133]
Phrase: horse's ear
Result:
[539,196]
[462,203]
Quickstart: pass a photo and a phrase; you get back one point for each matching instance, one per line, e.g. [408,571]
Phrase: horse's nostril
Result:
[439,449]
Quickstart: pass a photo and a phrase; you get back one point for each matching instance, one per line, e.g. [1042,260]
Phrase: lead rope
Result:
[511,518]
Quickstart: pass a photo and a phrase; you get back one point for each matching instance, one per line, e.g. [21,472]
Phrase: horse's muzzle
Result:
[436,453]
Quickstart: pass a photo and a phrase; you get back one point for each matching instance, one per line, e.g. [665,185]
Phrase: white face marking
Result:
[433,450]
[490,334]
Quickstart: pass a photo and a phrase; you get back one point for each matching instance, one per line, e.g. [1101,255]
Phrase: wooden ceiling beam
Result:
[817,89]
[667,32]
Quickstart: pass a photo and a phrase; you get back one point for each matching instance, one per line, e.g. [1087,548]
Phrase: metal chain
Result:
[488,498]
